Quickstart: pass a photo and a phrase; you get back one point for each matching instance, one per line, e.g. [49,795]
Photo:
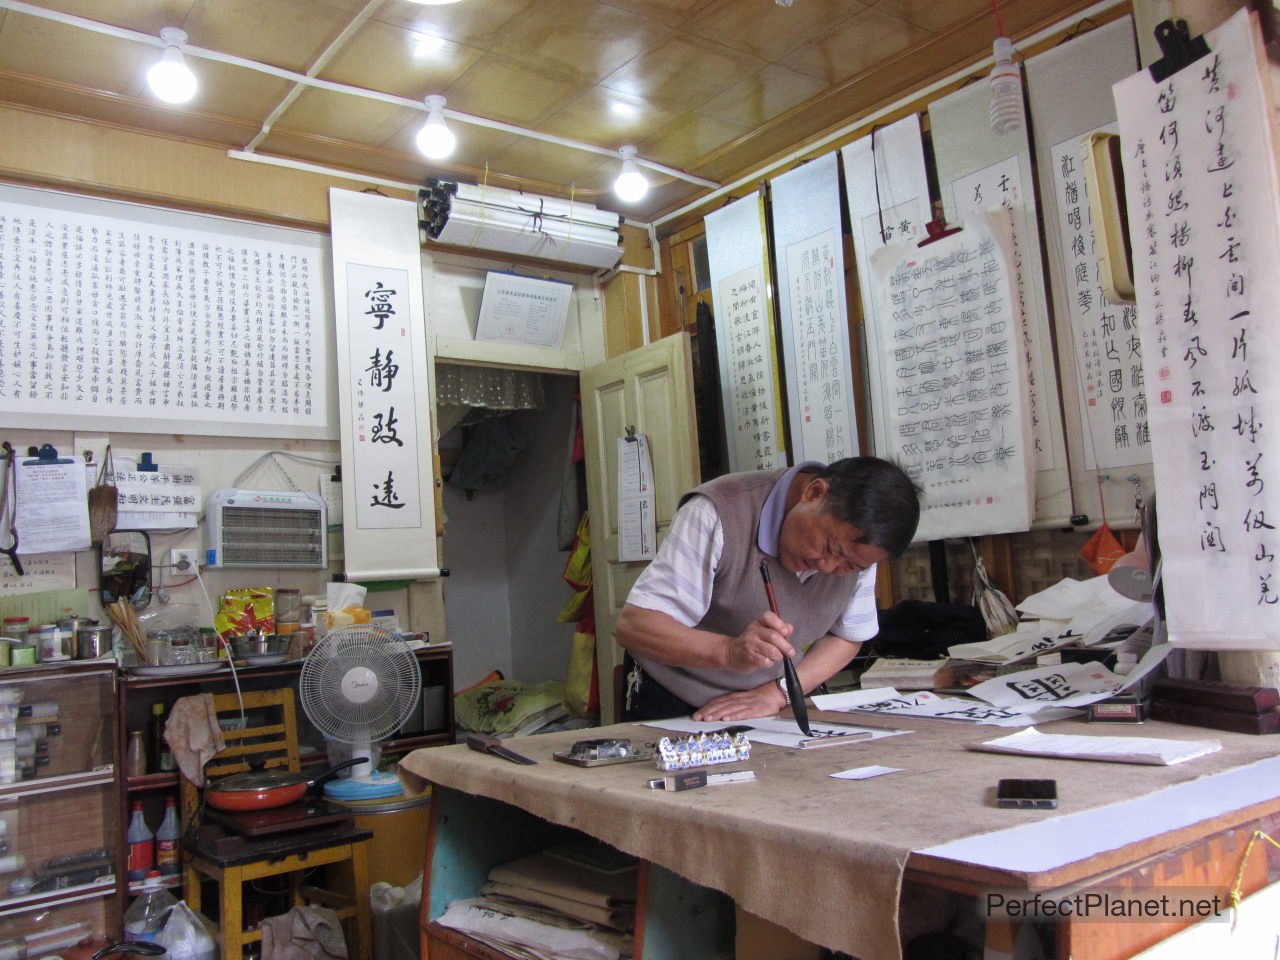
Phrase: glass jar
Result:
[288,607]
[16,628]
[182,650]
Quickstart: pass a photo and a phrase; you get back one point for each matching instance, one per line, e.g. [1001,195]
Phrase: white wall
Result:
[504,587]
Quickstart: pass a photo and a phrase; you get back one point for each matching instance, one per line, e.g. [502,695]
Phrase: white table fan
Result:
[358,685]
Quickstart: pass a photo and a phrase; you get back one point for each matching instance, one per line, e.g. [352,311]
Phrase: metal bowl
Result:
[253,646]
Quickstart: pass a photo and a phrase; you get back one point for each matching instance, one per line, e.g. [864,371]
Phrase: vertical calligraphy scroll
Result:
[978,170]
[888,193]
[813,313]
[952,345]
[740,288]
[384,393]
[1099,358]
[1204,205]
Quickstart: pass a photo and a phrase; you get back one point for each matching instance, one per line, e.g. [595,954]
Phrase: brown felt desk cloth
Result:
[819,856]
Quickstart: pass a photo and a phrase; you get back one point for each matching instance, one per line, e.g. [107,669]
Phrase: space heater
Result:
[265,528]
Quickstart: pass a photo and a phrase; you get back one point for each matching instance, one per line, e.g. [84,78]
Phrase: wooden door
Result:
[650,389]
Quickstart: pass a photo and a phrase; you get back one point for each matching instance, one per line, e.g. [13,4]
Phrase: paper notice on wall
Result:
[49,571]
[166,498]
[51,510]
[637,524]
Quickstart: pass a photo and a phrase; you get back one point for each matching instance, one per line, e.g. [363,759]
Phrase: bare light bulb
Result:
[1006,90]
[435,139]
[171,79]
[631,184]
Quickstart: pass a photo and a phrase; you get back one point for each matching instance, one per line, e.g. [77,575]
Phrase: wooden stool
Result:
[290,853]
[291,857]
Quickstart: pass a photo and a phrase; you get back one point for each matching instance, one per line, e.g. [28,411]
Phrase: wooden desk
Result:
[827,858]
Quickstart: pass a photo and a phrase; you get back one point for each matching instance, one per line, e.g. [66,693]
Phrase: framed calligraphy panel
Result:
[119,316]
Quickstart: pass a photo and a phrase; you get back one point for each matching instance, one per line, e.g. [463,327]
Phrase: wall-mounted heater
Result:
[265,528]
[508,221]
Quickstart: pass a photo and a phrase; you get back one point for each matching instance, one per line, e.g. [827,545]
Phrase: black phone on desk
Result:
[1027,794]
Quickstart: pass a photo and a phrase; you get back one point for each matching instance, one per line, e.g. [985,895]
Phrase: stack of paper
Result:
[907,674]
[1149,750]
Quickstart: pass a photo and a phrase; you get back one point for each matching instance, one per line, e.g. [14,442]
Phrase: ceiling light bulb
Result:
[171,79]
[631,184]
[435,139]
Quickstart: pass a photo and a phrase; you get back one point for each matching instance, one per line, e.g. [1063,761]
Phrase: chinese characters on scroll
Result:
[108,317]
[1201,184]
[958,412]
[384,416]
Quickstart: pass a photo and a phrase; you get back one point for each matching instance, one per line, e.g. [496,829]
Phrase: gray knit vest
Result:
[738,595]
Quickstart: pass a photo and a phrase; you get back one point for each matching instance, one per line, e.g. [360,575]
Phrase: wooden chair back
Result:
[272,738]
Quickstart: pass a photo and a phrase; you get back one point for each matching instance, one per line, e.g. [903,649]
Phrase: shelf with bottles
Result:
[58,801]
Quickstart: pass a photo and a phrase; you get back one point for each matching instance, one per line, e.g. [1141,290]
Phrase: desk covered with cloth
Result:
[826,858]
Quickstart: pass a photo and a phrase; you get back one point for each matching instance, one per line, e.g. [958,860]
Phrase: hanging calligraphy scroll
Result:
[1099,355]
[976,170]
[958,413]
[813,313]
[388,491]
[740,288]
[120,316]
[1204,205]
[888,194]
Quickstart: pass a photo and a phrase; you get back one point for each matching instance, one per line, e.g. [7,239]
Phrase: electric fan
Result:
[357,686]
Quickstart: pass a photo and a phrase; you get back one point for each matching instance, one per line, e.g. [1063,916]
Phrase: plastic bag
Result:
[185,937]
[1102,550]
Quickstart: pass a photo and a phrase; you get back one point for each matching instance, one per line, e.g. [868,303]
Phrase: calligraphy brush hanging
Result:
[104,500]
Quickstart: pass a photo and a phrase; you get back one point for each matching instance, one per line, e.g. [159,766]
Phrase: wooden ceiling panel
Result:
[566,168]
[284,33]
[344,117]
[938,15]
[762,97]
[687,143]
[475,24]
[584,39]
[769,31]
[857,45]
[606,118]
[500,89]
[145,16]
[718,88]
[399,61]
[28,45]
[682,72]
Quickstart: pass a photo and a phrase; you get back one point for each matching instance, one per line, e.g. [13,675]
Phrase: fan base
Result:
[375,786]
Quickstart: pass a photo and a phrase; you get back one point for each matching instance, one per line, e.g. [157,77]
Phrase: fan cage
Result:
[392,662]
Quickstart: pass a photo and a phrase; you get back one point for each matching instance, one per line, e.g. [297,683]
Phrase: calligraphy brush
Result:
[795,692]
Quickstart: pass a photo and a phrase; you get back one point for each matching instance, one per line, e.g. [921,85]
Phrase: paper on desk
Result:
[1065,684]
[930,706]
[1069,598]
[865,773]
[1149,750]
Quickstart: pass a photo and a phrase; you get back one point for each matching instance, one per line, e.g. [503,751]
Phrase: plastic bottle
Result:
[1006,90]
[135,764]
[169,840]
[146,916]
[161,756]
[142,844]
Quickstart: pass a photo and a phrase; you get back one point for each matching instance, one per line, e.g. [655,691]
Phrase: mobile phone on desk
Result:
[1027,794]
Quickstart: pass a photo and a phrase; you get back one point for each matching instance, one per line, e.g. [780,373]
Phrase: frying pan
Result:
[264,789]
